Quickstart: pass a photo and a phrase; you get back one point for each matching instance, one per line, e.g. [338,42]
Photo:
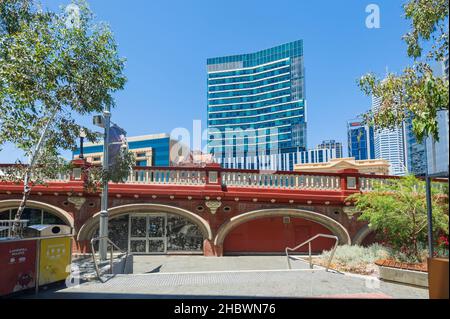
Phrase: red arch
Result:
[273,235]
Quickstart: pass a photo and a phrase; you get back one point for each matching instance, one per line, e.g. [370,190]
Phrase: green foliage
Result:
[415,93]
[397,212]
[52,69]
[95,176]
[53,66]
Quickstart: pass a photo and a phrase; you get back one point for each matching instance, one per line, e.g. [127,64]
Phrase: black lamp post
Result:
[82,136]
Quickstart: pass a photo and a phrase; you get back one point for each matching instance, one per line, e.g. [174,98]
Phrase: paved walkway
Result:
[165,264]
[234,277]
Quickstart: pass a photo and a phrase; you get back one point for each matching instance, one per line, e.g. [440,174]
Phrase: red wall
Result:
[272,235]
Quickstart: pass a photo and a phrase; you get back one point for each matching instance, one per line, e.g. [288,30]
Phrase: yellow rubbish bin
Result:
[54,252]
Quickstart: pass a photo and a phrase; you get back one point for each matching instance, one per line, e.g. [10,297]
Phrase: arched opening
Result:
[271,231]
[365,237]
[36,213]
[152,229]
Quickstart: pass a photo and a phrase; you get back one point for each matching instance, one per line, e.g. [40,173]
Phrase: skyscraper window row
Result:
[257,115]
[249,85]
[250,78]
[249,71]
[252,112]
[251,105]
[257,58]
[246,108]
[265,124]
[259,97]
[249,93]
[257,119]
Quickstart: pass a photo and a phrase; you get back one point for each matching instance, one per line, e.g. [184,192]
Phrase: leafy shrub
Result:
[358,256]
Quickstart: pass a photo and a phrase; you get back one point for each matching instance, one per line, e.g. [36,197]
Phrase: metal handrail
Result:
[309,246]
[112,245]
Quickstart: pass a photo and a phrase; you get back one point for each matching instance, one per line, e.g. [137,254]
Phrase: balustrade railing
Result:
[240,178]
[166,176]
[280,180]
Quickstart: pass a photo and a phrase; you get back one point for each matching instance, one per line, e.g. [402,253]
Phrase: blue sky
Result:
[166,44]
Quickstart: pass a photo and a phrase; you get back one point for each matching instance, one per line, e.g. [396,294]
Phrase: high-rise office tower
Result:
[437,151]
[257,108]
[361,144]
[390,145]
[332,145]
[445,67]
[415,151]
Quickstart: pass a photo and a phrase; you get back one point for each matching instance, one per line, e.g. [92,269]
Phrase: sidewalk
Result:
[233,277]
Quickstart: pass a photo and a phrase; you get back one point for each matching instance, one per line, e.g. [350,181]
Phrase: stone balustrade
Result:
[202,176]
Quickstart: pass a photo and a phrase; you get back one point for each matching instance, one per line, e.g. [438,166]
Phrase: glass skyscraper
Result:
[257,108]
[361,144]
[390,144]
[415,152]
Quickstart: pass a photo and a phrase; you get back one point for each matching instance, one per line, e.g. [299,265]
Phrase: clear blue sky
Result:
[166,44]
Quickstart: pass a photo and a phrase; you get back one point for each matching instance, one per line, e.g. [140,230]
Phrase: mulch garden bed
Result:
[423,267]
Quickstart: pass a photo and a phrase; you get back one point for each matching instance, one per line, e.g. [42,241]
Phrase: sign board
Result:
[17,266]
[54,260]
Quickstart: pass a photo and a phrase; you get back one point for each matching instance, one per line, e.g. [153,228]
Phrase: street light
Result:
[82,136]
[104,122]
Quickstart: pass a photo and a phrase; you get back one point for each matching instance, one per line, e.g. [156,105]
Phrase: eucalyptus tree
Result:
[54,66]
[416,92]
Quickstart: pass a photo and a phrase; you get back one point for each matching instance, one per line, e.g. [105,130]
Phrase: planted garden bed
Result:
[406,273]
[423,267]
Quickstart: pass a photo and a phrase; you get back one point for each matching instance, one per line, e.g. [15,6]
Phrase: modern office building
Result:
[332,145]
[445,68]
[361,144]
[437,151]
[390,145]
[149,150]
[257,108]
[415,151]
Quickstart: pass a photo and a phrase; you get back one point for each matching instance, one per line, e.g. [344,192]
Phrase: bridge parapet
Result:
[214,176]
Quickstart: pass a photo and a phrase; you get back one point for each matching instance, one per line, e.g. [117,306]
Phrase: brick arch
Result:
[335,227]
[87,230]
[61,213]
[361,235]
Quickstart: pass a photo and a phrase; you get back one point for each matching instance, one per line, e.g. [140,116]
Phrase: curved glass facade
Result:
[256,106]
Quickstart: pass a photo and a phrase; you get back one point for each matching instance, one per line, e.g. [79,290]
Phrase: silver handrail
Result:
[288,249]
[111,259]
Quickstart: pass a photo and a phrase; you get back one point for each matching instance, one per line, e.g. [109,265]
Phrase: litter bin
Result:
[46,231]
[18,269]
[54,252]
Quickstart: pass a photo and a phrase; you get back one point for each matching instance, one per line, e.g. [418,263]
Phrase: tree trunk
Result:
[27,177]
[26,193]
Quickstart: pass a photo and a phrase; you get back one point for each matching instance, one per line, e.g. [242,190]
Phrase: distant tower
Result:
[336,147]
[390,144]
[361,144]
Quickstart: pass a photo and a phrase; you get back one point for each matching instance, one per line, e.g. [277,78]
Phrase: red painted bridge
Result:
[203,210]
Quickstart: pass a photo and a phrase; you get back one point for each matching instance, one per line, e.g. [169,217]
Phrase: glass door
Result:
[148,234]
[138,234]
[156,234]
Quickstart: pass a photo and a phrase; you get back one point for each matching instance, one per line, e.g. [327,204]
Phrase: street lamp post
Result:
[103,231]
[82,136]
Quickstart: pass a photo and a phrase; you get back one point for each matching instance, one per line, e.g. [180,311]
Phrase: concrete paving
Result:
[232,278]
[165,264]
[244,284]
